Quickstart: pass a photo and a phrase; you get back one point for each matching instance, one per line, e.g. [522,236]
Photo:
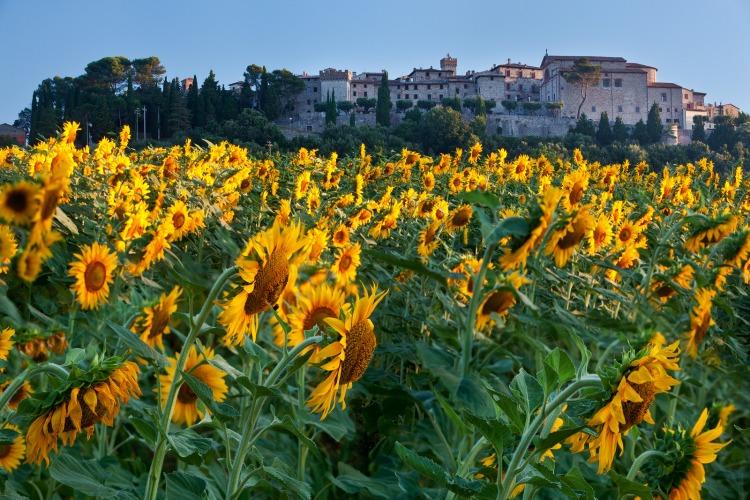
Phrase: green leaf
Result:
[187,442]
[184,486]
[415,265]
[299,488]
[352,482]
[482,198]
[74,356]
[146,429]
[134,342]
[495,431]
[256,389]
[423,465]
[542,445]
[7,436]
[510,226]
[287,424]
[559,361]
[575,480]
[627,487]
[510,407]
[527,390]
[475,398]
[87,479]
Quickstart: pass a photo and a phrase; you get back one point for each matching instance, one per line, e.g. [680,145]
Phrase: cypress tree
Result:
[604,132]
[640,133]
[699,131]
[383,109]
[653,125]
[192,104]
[331,109]
[619,131]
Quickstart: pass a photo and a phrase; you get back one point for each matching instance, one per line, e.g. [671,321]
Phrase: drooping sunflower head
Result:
[500,301]
[153,324]
[8,247]
[18,202]
[539,219]
[564,241]
[459,218]
[93,271]
[706,232]
[314,304]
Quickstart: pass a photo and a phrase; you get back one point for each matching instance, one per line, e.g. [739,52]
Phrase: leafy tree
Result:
[24,120]
[147,72]
[195,105]
[723,135]
[699,131]
[179,116]
[109,73]
[640,133]
[554,107]
[403,105]
[443,130]
[530,107]
[509,105]
[366,104]
[604,135]
[584,126]
[345,106]
[425,104]
[653,125]
[619,131]
[252,126]
[452,102]
[583,74]
[384,104]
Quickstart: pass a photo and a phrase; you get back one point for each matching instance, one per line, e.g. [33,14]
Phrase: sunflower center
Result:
[4,450]
[360,345]
[95,276]
[461,218]
[664,291]
[178,220]
[635,412]
[186,395]
[345,262]
[576,194]
[17,201]
[625,234]
[498,302]
[316,317]
[269,283]
[571,239]
[159,323]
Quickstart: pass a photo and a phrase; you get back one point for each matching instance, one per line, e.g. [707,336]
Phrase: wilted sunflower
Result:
[153,324]
[12,453]
[346,264]
[80,409]
[347,358]
[499,302]
[563,242]
[6,342]
[93,272]
[711,232]
[264,268]
[633,393]
[186,409]
[697,449]
[314,304]
[18,202]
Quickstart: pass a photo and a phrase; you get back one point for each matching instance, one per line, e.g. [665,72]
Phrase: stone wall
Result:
[521,126]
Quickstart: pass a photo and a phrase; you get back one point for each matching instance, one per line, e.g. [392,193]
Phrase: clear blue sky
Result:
[698,44]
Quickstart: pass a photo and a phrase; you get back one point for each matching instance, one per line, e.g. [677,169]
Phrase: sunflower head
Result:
[93,271]
[18,202]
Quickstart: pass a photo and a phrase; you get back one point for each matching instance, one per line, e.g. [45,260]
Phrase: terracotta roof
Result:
[515,65]
[665,85]
[574,58]
[639,65]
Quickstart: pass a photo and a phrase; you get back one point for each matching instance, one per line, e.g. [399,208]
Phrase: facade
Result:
[522,82]
[15,133]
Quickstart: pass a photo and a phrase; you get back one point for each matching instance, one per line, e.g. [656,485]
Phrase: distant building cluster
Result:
[625,89]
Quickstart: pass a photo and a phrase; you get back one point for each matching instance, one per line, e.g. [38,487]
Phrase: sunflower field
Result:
[203,322]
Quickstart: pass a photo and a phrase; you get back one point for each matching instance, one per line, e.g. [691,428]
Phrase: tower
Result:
[449,63]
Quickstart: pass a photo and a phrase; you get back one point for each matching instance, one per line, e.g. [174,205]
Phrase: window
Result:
[429,87]
[520,87]
[605,82]
[507,72]
[466,86]
[661,110]
[309,128]
[457,90]
[441,96]
[365,93]
[355,93]
[429,97]
[637,109]
[315,89]
[415,96]
[439,75]
[686,97]
[618,82]
[663,97]
[507,96]
[619,109]
[355,85]
[507,86]
[398,87]
[441,87]
[593,109]
[308,102]
[668,120]
[492,78]
[399,96]
[427,74]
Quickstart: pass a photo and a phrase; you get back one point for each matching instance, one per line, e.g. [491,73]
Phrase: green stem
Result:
[641,459]
[154,474]
[27,373]
[470,459]
[531,430]
[476,296]
[248,423]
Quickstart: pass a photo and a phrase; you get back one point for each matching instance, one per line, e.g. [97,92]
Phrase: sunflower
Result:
[474,153]
[600,236]
[632,395]
[341,236]
[93,272]
[347,358]
[563,242]
[428,241]
[264,267]
[499,302]
[700,319]
[317,242]
[346,264]
[18,202]
[313,305]
[8,247]
[459,218]
[22,393]
[6,342]
[627,234]
[186,410]
[516,255]
[712,232]
[153,324]
[12,453]
[664,289]
[178,220]
[574,185]
[698,449]
[428,181]
[80,410]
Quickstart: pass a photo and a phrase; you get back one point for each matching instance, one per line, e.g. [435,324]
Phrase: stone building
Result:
[522,82]
[14,133]
[727,109]
[336,83]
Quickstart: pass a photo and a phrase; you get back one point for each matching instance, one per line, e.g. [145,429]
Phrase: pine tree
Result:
[179,116]
[653,125]
[619,131]
[583,125]
[193,104]
[383,109]
[604,131]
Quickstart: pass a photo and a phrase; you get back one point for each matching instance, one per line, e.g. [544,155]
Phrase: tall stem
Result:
[641,459]
[531,430]
[248,422]
[154,473]
[27,373]
[476,296]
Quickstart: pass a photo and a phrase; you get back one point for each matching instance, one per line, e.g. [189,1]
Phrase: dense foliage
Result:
[473,324]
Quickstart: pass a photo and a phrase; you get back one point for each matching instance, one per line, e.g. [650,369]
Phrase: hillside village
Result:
[522,99]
